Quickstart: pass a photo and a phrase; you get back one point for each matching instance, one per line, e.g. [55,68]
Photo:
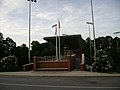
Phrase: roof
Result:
[69,41]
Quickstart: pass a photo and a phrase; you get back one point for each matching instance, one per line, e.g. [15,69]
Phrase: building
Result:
[72,48]
[71,44]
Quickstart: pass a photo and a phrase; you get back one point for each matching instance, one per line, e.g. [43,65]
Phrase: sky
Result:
[72,14]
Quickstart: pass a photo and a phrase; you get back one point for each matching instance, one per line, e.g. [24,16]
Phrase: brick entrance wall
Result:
[53,65]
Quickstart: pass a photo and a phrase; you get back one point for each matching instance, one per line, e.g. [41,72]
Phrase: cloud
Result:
[47,15]
[73,15]
[8,21]
[12,21]
[68,8]
[107,18]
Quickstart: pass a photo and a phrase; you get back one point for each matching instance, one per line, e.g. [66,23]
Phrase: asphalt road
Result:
[59,83]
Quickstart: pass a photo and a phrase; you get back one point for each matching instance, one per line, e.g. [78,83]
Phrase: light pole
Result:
[29,26]
[89,23]
[117,41]
[93,31]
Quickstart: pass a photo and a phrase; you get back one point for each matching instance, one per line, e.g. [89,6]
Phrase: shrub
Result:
[9,63]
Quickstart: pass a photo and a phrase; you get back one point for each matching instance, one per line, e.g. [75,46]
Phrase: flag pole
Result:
[56,41]
[56,44]
[59,37]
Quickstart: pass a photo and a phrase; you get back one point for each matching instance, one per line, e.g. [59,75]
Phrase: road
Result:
[59,83]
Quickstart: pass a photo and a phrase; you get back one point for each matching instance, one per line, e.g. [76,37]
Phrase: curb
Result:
[58,74]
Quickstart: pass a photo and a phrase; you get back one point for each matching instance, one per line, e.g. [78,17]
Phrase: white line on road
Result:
[53,86]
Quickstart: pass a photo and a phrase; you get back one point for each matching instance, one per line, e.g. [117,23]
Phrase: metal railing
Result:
[50,58]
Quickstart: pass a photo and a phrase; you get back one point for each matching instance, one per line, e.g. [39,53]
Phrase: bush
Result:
[103,61]
[9,63]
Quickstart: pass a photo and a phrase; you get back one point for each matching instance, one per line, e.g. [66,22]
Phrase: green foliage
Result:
[107,55]
[8,47]
[103,62]
[21,52]
[9,63]
[44,49]
[88,53]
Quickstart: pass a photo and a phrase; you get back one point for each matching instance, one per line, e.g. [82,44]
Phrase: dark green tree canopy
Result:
[8,47]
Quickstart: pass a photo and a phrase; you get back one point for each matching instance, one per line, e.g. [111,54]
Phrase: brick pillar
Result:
[82,67]
[69,63]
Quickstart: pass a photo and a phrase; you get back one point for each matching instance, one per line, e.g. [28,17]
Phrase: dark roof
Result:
[70,41]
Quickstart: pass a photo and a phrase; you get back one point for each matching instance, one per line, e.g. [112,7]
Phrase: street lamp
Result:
[93,30]
[89,23]
[117,41]
[29,26]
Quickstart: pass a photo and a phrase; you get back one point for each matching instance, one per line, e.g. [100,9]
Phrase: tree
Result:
[9,63]
[44,49]
[104,61]
[9,45]
[107,56]
[36,49]
[6,46]
[1,46]
[88,53]
[21,52]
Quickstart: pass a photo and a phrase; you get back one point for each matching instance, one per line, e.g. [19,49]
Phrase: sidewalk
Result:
[56,73]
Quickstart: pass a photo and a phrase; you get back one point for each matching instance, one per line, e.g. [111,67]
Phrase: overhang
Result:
[70,41]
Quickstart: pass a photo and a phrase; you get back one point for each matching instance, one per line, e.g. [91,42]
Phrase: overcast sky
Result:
[73,15]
